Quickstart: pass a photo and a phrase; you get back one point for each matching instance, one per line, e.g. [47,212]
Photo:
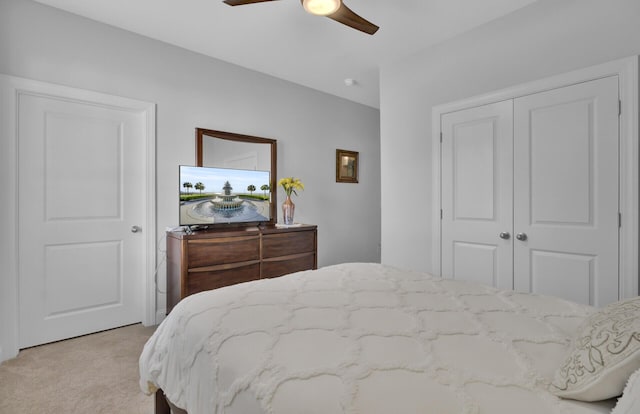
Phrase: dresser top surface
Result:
[238,231]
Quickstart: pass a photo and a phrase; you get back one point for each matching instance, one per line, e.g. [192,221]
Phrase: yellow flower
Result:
[291,185]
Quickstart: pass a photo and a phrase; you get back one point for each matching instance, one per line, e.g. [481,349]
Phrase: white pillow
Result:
[604,353]
[629,403]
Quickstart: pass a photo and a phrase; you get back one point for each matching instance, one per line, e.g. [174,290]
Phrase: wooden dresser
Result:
[216,258]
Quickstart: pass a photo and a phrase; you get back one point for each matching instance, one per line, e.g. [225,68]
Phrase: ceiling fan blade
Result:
[243,2]
[347,17]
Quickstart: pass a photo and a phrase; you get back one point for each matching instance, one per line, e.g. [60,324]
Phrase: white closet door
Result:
[477,194]
[81,191]
[566,192]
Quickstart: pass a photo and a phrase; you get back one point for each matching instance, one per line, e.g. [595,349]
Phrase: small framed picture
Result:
[346,166]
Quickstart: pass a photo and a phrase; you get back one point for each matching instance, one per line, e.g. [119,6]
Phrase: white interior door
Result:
[566,192]
[81,191]
[476,198]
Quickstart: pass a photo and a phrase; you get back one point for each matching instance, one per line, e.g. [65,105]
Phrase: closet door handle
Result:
[505,235]
[521,236]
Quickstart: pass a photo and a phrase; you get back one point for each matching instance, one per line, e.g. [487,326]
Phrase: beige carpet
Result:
[91,374]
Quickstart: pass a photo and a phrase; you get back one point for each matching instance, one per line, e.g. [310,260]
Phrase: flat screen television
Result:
[211,196]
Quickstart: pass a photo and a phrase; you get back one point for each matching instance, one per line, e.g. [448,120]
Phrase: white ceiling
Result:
[280,39]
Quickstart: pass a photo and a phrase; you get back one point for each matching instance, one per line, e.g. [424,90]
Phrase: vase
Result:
[288,208]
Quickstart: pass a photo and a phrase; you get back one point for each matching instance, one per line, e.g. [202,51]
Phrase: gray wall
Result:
[192,90]
[547,38]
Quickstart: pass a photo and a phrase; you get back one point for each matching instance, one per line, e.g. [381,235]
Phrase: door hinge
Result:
[441,137]
[619,220]
[441,214]
[619,107]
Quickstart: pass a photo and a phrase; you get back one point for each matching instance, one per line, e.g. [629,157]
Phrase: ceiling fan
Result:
[333,9]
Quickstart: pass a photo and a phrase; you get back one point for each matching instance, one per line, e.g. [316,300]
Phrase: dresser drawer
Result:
[214,279]
[285,244]
[296,263]
[215,251]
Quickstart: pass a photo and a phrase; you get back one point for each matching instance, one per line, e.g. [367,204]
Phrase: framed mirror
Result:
[245,152]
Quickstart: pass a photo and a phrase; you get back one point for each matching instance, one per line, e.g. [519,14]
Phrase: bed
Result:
[368,338]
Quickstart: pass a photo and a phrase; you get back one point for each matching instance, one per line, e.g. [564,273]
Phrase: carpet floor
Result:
[95,373]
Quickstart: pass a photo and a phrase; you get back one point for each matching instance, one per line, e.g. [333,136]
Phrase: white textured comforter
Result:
[366,339]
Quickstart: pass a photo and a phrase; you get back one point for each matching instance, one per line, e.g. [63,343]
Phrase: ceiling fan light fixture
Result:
[321,7]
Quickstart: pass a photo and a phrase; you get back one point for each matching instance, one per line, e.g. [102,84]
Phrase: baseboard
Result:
[6,354]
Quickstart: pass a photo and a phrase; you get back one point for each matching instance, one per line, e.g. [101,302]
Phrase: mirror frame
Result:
[201,133]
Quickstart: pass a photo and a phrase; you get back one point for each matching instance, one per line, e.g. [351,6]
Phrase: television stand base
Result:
[195,227]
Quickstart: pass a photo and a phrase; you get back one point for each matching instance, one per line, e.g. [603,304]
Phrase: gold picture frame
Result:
[346,166]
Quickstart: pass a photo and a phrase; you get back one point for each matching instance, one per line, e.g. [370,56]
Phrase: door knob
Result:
[521,236]
[135,229]
[505,235]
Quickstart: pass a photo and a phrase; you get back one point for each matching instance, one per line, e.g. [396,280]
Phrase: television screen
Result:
[210,195]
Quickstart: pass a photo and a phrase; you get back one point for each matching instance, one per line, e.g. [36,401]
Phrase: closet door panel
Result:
[577,278]
[477,194]
[566,192]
